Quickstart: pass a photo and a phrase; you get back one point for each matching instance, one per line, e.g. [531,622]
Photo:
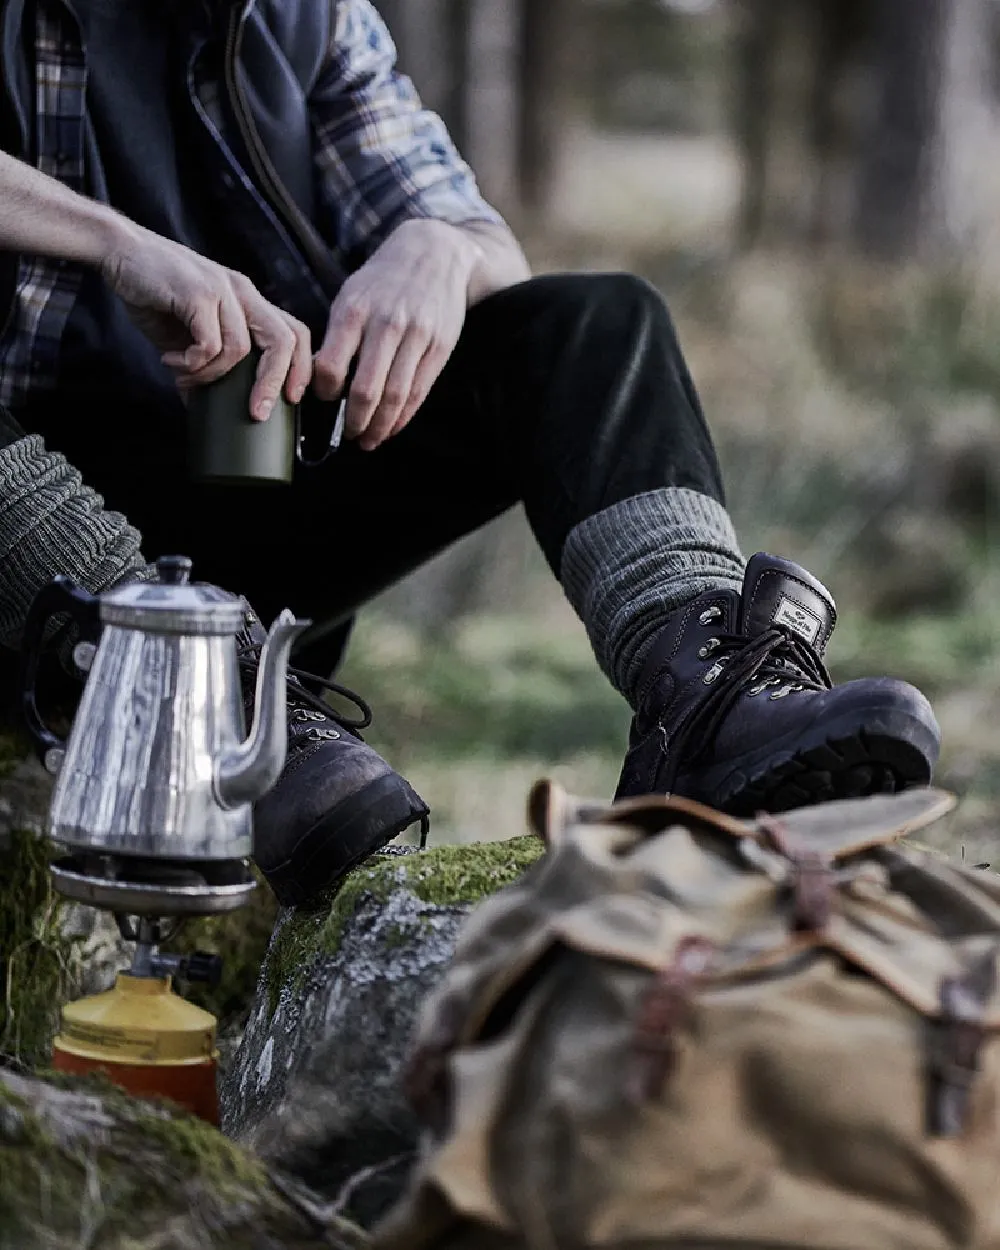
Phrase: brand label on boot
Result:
[798,619]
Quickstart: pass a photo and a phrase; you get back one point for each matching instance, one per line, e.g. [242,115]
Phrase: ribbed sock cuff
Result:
[627,568]
[51,523]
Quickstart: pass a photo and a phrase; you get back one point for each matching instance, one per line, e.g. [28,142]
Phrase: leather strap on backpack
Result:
[957,1044]
[813,883]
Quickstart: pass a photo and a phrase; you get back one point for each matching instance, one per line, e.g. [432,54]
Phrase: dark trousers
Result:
[566,393]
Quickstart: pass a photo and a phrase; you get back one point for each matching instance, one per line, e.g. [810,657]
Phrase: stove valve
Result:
[201,966]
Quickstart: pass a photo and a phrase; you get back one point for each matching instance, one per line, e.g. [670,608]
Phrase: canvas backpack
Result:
[683,1030]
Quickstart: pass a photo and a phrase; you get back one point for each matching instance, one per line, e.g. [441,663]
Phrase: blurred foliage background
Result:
[815,187]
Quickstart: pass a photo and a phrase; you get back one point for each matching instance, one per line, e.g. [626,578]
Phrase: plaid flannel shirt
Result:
[380,156]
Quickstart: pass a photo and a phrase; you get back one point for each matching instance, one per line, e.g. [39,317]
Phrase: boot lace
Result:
[305,704]
[775,660]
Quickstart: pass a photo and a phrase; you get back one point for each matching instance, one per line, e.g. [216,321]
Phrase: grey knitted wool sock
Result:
[626,568]
[50,523]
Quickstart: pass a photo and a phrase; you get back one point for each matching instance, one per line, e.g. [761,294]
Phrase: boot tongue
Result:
[778,592]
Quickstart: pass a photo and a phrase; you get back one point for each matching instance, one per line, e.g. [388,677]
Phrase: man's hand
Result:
[401,314]
[205,318]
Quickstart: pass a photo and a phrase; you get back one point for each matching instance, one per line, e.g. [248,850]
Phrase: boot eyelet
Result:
[322,735]
[710,616]
[713,673]
[783,693]
[710,646]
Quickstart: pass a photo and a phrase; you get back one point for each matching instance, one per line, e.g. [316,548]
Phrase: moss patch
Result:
[444,876]
[194,1144]
[37,960]
[80,1168]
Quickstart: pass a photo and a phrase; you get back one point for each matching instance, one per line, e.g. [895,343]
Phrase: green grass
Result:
[501,688]
[473,721]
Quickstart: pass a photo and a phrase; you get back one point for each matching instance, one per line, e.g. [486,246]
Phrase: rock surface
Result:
[314,1087]
[84,1166]
[25,789]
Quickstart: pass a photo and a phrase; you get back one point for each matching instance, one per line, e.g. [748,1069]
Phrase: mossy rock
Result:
[443,877]
[39,968]
[314,1086]
[84,1165]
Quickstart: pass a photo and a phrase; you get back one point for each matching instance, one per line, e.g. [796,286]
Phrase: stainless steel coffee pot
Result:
[157,763]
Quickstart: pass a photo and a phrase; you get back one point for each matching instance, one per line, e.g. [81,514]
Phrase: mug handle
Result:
[60,597]
[336,434]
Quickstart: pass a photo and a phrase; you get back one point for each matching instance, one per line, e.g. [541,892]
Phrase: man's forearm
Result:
[40,216]
[503,263]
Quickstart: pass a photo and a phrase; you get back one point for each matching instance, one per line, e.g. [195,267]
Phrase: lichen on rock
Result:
[442,877]
[314,1087]
[83,1165]
[38,958]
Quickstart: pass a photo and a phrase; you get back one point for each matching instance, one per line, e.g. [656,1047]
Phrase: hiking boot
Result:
[336,802]
[737,710]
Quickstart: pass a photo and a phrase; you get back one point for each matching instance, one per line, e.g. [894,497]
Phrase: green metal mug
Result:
[225,445]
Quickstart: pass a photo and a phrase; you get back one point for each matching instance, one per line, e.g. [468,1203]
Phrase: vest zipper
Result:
[298,225]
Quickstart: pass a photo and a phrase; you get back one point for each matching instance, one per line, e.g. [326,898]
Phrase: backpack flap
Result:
[847,827]
[552,812]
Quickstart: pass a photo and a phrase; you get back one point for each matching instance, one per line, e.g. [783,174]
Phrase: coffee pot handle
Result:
[61,597]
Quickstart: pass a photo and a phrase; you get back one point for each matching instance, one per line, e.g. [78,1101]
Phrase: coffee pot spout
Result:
[246,772]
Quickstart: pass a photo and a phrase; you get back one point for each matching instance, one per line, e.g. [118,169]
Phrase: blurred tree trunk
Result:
[548,51]
[491,96]
[431,37]
[839,107]
[897,161]
[785,74]
[757,35]
[965,200]
[499,72]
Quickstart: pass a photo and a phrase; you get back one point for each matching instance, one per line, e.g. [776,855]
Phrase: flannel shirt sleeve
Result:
[382,157]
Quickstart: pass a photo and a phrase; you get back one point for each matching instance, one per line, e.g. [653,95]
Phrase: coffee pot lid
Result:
[172,604]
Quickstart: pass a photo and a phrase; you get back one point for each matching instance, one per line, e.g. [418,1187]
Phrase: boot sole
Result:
[347,835]
[888,754]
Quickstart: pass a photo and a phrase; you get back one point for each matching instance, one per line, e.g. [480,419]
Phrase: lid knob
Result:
[174,570]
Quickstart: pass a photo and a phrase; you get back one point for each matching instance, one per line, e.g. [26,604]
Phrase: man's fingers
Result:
[396,395]
[274,335]
[300,371]
[205,329]
[378,352]
[344,332]
[235,343]
[428,372]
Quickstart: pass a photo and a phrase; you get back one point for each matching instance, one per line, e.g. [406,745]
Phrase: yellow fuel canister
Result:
[146,1039]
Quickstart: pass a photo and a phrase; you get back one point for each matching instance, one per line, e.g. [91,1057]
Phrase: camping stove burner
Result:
[137,886]
[148,933]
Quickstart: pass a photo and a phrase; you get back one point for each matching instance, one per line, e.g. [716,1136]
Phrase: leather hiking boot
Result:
[336,802]
[737,710]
